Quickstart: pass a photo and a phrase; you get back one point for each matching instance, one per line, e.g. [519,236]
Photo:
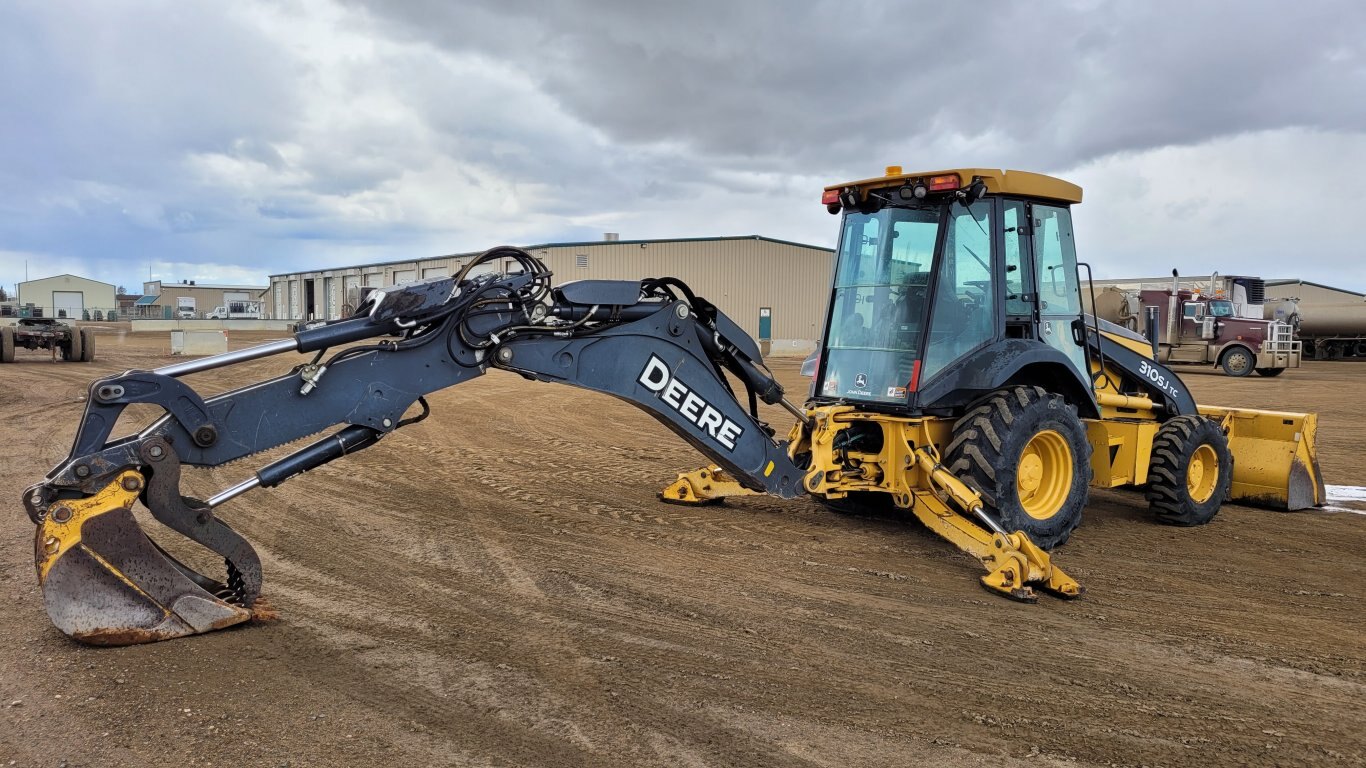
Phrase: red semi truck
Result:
[1220,325]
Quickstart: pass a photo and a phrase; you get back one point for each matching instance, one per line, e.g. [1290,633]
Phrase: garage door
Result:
[330,294]
[404,276]
[68,304]
[351,289]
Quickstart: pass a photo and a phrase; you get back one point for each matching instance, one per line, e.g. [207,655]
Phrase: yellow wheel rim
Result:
[1043,477]
[1202,474]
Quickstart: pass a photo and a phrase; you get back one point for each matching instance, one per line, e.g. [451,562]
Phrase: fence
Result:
[96,314]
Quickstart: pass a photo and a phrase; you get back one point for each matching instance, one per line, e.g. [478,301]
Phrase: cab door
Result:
[1055,275]
[1192,315]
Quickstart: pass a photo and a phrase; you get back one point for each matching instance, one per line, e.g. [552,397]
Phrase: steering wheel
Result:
[950,319]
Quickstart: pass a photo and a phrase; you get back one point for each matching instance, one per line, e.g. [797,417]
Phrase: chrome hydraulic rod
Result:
[794,410]
[229,358]
[349,440]
[233,492]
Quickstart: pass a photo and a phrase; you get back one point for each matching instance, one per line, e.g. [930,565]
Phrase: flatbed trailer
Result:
[74,344]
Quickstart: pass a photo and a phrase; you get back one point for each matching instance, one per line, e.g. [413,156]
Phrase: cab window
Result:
[1056,257]
[877,318]
[964,298]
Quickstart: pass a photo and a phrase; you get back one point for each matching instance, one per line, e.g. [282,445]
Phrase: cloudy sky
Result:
[227,141]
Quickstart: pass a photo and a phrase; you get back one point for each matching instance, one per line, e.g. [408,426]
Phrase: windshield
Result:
[882,277]
[1221,308]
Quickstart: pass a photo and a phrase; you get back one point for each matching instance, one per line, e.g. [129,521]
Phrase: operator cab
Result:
[933,269]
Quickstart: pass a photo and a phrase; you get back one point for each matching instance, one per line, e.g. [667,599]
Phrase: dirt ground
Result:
[499,586]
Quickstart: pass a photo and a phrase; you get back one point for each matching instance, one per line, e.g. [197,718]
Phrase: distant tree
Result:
[3,296]
[121,291]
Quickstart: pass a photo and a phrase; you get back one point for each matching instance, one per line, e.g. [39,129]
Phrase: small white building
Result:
[67,296]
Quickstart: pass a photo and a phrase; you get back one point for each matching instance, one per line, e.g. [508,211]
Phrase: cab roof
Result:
[1022,183]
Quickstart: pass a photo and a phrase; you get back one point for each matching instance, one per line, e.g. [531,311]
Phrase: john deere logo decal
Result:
[657,378]
[861,381]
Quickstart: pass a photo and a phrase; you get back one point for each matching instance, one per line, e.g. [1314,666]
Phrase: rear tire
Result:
[72,351]
[1025,452]
[87,345]
[1237,361]
[6,345]
[1190,472]
[1270,372]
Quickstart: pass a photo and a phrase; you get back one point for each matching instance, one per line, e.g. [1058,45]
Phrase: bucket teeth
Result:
[105,582]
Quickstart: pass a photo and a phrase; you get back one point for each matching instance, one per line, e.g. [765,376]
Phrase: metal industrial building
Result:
[1310,294]
[187,298]
[68,296]
[774,289]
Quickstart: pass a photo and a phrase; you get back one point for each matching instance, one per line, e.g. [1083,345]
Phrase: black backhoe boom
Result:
[651,343]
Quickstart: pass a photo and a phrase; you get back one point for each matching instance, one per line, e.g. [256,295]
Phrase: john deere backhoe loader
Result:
[958,380]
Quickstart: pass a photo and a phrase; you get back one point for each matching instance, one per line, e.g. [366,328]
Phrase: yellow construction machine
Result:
[959,374]
[958,379]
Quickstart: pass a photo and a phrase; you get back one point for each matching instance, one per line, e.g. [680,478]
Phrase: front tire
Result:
[1190,473]
[1237,362]
[6,345]
[1025,452]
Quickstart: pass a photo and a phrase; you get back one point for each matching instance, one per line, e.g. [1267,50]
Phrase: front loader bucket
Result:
[105,583]
[1275,463]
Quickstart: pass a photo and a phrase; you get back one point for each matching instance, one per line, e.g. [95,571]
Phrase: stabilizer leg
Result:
[1015,564]
[708,485]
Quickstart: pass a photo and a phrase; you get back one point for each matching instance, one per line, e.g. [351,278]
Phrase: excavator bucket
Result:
[1275,463]
[105,582]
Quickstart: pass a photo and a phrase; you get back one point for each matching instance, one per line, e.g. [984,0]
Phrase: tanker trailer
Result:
[1327,331]
[1116,305]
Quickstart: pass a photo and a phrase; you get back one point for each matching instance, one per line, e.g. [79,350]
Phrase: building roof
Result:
[210,286]
[577,244]
[1316,285]
[583,243]
[67,274]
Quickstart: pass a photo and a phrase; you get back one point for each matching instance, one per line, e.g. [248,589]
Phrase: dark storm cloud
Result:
[169,79]
[102,102]
[209,140]
[825,85]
